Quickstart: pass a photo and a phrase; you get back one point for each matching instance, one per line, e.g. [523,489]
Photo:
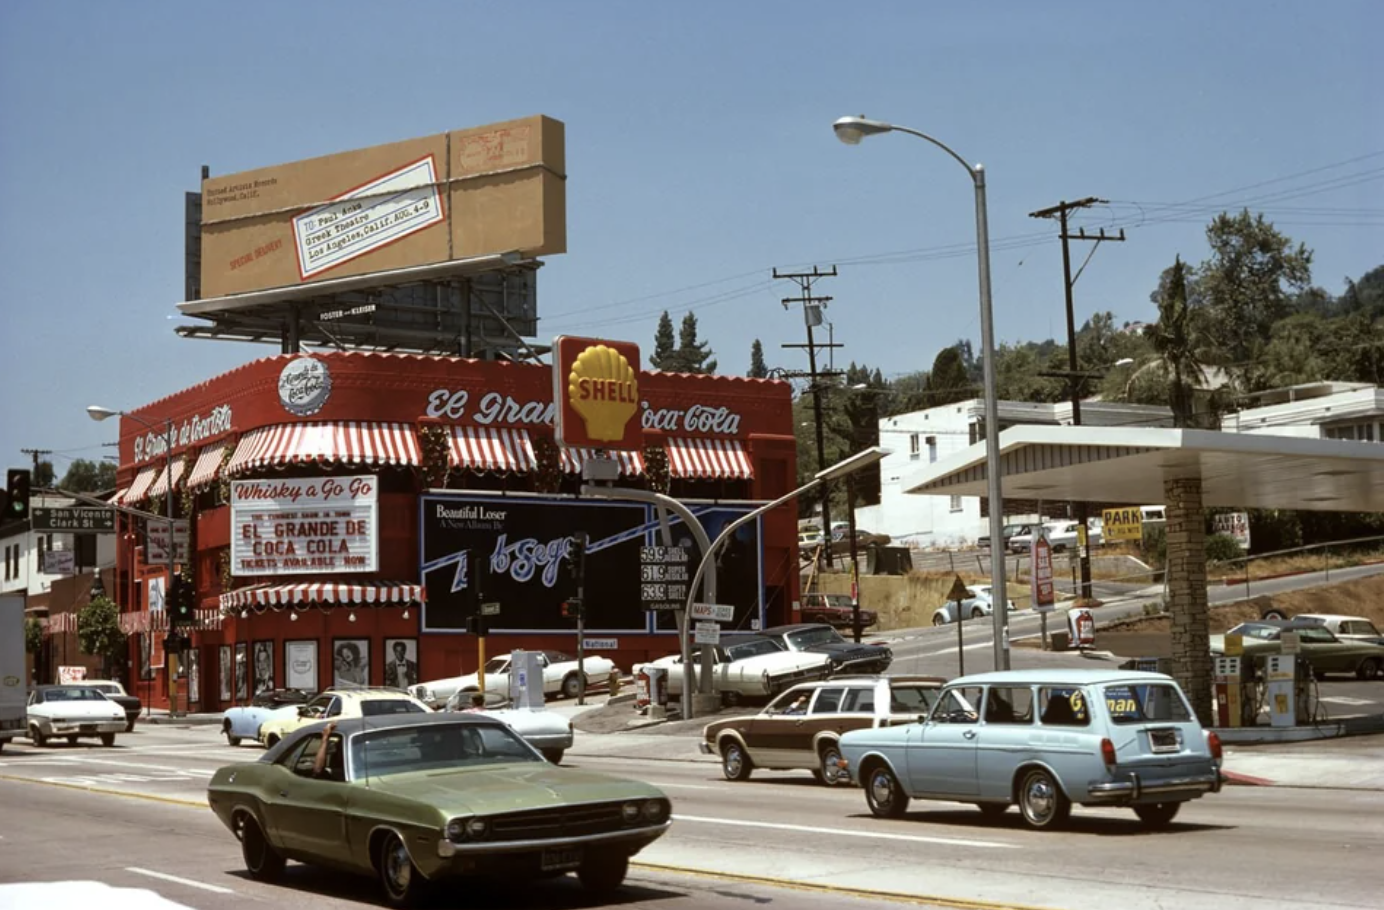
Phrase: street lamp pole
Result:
[851,130]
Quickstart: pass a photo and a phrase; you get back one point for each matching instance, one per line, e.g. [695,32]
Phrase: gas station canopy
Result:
[1130,465]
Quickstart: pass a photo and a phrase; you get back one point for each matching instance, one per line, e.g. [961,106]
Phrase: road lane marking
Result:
[132,794]
[846,832]
[673,786]
[214,889]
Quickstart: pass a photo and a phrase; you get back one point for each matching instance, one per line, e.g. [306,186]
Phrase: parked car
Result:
[979,602]
[1346,628]
[835,610]
[340,704]
[559,677]
[547,731]
[841,539]
[1008,534]
[1062,535]
[747,666]
[1325,652]
[1046,740]
[821,638]
[116,693]
[71,712]
[417,799]
[244,722]
[802,728]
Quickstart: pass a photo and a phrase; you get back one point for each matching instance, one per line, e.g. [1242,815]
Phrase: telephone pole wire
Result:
[1074,375]
[812,317]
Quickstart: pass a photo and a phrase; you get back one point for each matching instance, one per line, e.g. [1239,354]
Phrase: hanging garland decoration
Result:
[189,498]
[548,477]
[225,565]
[656,472]
[223,483]
[437,455]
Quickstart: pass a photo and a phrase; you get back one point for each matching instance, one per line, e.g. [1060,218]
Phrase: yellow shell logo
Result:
[604,390]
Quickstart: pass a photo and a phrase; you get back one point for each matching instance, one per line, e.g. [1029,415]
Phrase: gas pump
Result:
[1281,690]
[1230,693]
[525,679]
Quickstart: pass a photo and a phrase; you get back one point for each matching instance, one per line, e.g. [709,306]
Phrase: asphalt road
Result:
[134,817]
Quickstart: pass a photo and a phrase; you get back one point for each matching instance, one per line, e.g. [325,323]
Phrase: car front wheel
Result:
[883,794]
[37,736]
[1371,669]
[107,739]
[1042,801]
[1157,815]
[602,873]
[735,764]
[977,612]
[399,877]
[231,738]
[129,725]
[939,620]
[571,686]
[262,861]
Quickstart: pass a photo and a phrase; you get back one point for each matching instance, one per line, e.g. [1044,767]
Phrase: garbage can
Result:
[658,685]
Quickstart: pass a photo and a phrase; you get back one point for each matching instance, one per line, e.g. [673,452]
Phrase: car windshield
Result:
[73,693]
[836,600]
[1255,630]
[819,635]
[106,688]
[1136,704]
[497,665]
[751,649]
[437,747]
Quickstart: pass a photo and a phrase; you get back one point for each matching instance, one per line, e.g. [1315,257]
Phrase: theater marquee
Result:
[304,526]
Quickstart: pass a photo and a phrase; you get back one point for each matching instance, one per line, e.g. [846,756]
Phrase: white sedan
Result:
[547,731]
[980,601]
[748,666]
[559,678]
[73,711]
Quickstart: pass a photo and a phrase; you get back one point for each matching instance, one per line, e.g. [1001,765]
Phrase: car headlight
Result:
[631,811]
[455,829]
[655,810]
[477,828]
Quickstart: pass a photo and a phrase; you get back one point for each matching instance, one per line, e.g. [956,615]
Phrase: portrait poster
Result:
[264,667]
[227,672]
[400,662]
[194,675]
[350,662]
[300,665]
[146,666]
[242,671]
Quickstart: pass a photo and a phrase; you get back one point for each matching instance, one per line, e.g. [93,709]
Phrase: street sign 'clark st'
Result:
[73,521]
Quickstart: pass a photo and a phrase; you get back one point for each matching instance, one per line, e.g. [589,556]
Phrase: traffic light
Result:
[478,625]
[571,608]
[179,602]
[574,560]
[17,494]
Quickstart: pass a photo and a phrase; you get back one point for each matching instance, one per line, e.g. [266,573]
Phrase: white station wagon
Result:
[1044,739]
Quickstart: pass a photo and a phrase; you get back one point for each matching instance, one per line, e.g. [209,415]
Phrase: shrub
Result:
[1222,548]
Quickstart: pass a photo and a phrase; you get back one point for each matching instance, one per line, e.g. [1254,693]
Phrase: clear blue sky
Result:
[699,151]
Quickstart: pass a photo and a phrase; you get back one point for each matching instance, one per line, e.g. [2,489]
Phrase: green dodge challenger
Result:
[415,799]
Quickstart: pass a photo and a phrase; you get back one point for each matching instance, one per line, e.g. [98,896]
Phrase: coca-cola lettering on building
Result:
[193,430]
[496,409]
[305,384]
[701,419]
[304,526]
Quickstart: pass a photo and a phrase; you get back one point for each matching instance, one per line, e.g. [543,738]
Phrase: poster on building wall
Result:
[401,662]
[194,675]
[306,525]
[264,667]
[242,671]
[300,665]
[146,668]
[351,662]
[226,670]
[519,543]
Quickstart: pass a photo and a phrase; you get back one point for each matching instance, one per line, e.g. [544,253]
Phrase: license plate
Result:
[1163,740]
[88,728]
[557,858]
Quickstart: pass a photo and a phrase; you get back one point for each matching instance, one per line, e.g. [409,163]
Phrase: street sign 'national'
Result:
[72,520]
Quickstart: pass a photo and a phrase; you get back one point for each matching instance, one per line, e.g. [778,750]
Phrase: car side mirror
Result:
[304,711]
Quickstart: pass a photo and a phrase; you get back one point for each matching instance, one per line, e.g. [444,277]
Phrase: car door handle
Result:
[969,734]
[283,793]
[800,722]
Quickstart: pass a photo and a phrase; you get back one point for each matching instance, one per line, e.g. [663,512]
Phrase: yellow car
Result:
[340,704]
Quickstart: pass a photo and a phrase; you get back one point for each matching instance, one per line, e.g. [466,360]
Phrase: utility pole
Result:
[1074,376]
[812,317]
[36,454]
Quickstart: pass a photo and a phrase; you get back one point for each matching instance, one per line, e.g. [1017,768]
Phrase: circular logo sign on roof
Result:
[304,386]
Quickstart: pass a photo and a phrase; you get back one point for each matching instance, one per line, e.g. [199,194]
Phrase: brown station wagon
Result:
[801,729]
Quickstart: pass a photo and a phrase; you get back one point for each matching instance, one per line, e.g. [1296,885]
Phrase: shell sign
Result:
[596,387]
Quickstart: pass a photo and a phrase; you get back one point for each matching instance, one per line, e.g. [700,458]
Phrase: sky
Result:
[700,156]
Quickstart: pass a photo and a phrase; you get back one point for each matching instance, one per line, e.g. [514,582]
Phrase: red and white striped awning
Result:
[207,466]
[139,490]
[492,449]
[157,621]
[281,595]
[62,622]
[161,485]
[708,458]
[349,441]
[631,463]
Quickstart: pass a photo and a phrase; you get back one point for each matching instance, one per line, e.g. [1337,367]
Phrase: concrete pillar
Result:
[1186,566]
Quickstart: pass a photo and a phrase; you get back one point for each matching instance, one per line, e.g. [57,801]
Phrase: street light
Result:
[98,413]
[851,130]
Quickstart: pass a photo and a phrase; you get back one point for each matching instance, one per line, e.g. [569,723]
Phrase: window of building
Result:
[931,449]
[956,503]
[913,451]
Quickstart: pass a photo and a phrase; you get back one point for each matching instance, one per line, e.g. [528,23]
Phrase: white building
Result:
[1314,410]
[919,438]
[25,551]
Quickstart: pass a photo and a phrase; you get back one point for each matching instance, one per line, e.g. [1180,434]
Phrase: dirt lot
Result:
[906,601]
[1150,636]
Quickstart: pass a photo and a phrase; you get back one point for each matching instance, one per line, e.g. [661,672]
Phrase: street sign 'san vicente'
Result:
[73,520]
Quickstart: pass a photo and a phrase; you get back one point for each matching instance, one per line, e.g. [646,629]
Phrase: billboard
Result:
[522,541]
[486,190]
[305,526]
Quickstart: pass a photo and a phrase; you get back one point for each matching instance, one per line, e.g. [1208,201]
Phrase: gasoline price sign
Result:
[664,573]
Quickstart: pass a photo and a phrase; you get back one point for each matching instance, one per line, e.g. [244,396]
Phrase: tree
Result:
[43,475]
[1247,285]
[33,636]
[88,476]
[662,357]
[98,630]
[695,355]
[757,368]
[1176,339]
[949,381]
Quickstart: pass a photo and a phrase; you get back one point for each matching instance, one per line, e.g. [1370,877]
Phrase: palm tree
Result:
[1177,341]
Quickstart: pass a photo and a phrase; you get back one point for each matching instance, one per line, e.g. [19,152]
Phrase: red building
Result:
[347,513]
